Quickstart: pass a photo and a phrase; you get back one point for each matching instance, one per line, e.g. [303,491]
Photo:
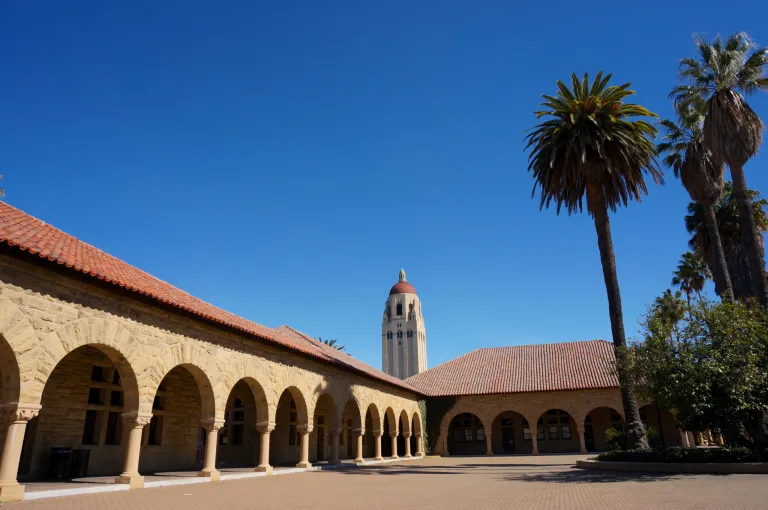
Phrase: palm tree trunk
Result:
[635,430]
[749,235]
[721,266]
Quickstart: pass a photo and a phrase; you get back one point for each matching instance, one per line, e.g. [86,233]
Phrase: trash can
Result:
[79,466]
[61,460]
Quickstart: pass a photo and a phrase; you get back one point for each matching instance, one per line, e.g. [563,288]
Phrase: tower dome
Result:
[402,286]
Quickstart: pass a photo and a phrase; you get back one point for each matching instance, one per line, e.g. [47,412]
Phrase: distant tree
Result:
[729,226]
[669,307]
[691,275]
[594,147]
[733,132]
[333,343]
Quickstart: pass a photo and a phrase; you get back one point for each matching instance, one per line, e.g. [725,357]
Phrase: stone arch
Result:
[110,338]
[508,432]
[460,409]
[354,409]
[561,431]
[405,422]
[252,373]
[392,420]
[376,419]
[325,416]
[10,377]
[596,422]
[19,346]
[416,423]
[201,365]
[302,412]
[259,396]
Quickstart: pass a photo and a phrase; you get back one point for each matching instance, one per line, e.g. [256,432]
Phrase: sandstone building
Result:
[99,357]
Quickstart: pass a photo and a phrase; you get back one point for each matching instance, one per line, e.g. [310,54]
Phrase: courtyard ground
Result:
[547,481]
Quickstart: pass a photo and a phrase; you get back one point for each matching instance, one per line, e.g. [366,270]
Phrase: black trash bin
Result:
[59,466]
[79,467]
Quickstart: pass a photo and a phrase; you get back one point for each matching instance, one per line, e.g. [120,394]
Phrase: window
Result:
[158,403]
[116,399]
[155,430]
[89,430]
[540,430]
[468,436]
[116,377]
[399,309]
[233,430]
[480,433]
[389,335]
[399,335]
[409,334]
[114,429]
[97,374]
[293,433]
[467,428]
[526,433]
[94,396]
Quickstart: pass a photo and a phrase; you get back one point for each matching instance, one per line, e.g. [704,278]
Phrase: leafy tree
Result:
[732,130]
[691,275]
[594,147]
[710,367]
[333,343]
[669,307]
[700,174]
[727,214]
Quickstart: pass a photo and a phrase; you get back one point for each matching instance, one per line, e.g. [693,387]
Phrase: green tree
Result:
[669,307]
[709,367]
[594,147]
[333,343]
[701,176]
[732,130]
[729,226]
[691,275]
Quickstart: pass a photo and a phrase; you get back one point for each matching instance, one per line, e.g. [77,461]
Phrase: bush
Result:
[615,440]
[691,455]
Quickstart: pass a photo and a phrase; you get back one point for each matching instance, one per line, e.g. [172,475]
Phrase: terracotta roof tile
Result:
[28,233]
[525,368]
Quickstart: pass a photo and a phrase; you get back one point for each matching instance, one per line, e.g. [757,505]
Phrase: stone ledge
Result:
[677,467]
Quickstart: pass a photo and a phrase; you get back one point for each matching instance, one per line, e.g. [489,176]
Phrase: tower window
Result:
[399,309]
[399,335]
[389,335]
[409,334]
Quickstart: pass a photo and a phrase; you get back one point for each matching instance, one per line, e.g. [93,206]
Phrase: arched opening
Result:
[389,427]
[415,431]
[10,384]
[662,422]
[174,440]
[403,429]
[291,417]
[597,423]
[466,435]
[324,420]
[238,438]
[372,424]
[556,432]
[351,425]
[511,434]
[79,430]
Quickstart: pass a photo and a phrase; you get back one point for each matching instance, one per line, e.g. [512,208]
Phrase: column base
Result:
[445,454]
[304,465]
[394,457]
[215,476]
[489,454]
[14,492]
[583,452]
[534,453]
[263,469]
[408,456]
[359,461]
[334,462]
[133,481]
[378,458]
[419,454]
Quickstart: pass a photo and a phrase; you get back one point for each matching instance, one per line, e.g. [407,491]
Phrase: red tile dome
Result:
[402,287]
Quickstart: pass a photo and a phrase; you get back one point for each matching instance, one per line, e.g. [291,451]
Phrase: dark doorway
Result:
[508,435]
[320,443]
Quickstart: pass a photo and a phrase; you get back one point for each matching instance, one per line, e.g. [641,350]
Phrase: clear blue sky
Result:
[283,160]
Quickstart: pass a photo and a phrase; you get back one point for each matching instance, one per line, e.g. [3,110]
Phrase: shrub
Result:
[615,439]
[690,455]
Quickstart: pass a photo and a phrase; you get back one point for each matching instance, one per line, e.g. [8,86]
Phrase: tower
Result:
[403,336]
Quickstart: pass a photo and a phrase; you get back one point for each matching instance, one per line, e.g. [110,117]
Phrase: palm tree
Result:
[693,163]
[593,148]
[691,275]
[333,343]
[670,307]
[727,214]
[732,130]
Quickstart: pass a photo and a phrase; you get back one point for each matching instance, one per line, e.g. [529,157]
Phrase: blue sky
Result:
[283,160]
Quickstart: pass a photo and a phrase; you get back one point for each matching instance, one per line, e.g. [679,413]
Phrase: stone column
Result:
[358,433]
[264,429]
[582,443]
[304,430]
[419,446]
[135,424]
[16,416]
[407,436]
[335,434]
[691,439]
[393,435]
[212,428]
[684,439]
[377,440]
[488,444]
[534,442]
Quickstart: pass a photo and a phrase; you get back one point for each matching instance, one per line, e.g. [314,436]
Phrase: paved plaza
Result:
[547,481]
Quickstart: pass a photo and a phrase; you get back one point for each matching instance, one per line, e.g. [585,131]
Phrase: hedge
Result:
[678,454]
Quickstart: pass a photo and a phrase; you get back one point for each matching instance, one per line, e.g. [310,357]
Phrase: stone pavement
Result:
[547,481]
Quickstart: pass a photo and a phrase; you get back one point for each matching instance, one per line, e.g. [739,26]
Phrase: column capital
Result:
[18,413]
[133,420]
[265,427]
[393,434]
[304,429]
[377,433]
[358,432]
[406,435]
[211,424]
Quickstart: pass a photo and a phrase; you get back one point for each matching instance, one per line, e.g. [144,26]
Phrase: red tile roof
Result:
[525,368]
[27,233]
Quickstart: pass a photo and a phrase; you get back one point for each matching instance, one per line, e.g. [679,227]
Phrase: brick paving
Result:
[547,481]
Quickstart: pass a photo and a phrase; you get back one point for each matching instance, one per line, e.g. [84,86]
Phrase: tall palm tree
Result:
[691,275]
[333,343]
[727,214]
[700,174]
[732,130]
[592,147]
